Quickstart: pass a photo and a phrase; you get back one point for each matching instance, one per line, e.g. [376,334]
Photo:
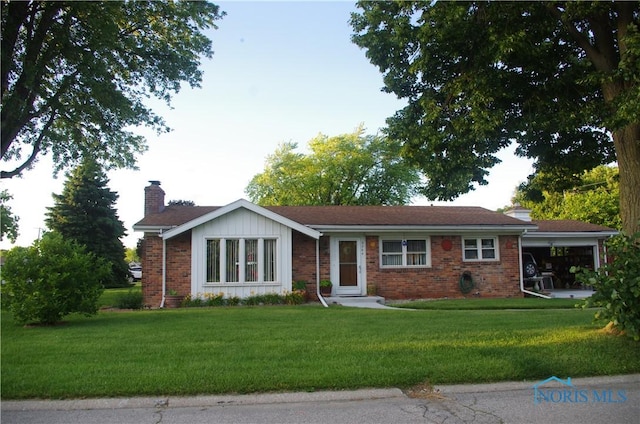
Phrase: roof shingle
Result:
[311,216]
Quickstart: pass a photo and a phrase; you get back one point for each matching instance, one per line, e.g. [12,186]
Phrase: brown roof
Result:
[352,216]
[393,215]
[175,215]
[568,226]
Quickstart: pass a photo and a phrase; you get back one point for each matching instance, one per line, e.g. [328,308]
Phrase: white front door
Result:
[346,265]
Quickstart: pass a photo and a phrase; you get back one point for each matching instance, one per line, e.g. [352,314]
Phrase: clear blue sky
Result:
[282,71]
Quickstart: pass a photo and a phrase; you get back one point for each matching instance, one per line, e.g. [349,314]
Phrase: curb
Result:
[528,385]
[200,401]
[159,402]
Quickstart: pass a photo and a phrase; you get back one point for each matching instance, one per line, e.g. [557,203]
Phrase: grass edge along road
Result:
[194,351]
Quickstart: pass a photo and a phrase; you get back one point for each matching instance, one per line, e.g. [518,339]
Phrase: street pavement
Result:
[608,400]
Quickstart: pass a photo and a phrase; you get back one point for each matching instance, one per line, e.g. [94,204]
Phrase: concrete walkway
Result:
[370,302]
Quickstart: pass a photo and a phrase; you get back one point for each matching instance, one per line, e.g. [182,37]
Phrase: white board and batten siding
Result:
[246,224]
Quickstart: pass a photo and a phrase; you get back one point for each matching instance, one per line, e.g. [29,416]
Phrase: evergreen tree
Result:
[84,212]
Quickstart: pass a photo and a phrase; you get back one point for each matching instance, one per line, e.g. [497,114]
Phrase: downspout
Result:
[164,271]
[522,289]
[324,303]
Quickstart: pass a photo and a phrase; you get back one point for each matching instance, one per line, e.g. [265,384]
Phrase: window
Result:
[241,260]
[392,253]
[404,253]
[233,253]
[269,261]
[480,249]
[251,260]
[213,261]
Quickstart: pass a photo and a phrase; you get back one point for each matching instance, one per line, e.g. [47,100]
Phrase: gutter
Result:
[324,303]
[522,289]
[431,229]
[164,271]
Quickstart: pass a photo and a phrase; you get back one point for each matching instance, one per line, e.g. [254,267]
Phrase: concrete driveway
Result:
[585,400]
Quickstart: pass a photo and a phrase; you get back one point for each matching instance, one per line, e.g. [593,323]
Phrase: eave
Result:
[431,229]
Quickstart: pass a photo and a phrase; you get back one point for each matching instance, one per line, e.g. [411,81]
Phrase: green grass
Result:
[489,304]
[109,297]
[300,348]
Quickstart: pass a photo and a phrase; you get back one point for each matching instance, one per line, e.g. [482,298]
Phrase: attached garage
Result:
[558,245]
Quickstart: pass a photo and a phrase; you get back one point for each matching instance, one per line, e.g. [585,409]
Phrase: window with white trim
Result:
[213,261]
[269,261]
[239,260]
[480,249]
[397,253]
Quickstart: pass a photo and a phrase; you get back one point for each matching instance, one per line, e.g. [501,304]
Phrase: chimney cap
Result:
[154,182]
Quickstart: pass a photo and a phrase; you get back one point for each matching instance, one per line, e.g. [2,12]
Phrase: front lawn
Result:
[301,348]
[487,304]
[109,297]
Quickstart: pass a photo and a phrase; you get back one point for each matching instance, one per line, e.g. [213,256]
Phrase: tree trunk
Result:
[627,144]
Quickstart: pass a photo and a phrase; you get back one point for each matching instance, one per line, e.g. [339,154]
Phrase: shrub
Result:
[296,297]
[214,299]
[617,285]
[299,285]
[51,279]
[209,299]
[130,300]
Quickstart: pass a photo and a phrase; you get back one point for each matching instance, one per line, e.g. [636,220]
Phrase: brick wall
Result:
[179,263]
[304,260]
[152,269]
[178,267]
[491,279]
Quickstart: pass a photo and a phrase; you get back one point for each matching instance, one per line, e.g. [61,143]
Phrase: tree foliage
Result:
[51,279]
[560,79]
[8,221]
[75,75]
[349,169]
[617,285]
[85,213]
[131,255]
[181,203]
[594,198]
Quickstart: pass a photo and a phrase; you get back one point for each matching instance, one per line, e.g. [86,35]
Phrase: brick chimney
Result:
[153,198]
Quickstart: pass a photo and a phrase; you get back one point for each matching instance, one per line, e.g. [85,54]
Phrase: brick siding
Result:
[178,267]
[491,279]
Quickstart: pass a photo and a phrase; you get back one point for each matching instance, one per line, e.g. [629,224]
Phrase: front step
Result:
[339,300]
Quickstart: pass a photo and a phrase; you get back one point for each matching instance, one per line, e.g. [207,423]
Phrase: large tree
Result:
[85,213]
[560,79]
[349,169]
[594,199]
[8,221]
[75,75]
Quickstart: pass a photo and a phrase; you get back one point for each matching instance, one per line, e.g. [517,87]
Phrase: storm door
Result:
[347,266]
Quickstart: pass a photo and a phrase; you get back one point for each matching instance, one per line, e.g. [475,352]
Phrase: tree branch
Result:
[595,56]
[37,145]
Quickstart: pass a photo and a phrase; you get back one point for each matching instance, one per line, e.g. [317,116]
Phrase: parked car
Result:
[136,273]
[529,265]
